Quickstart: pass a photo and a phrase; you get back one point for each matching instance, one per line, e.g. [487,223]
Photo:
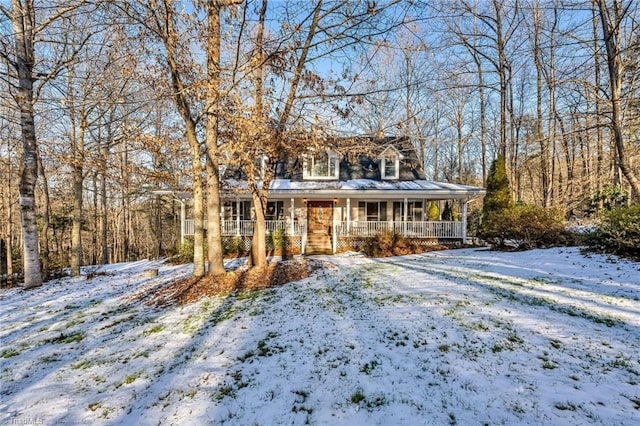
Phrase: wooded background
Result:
[105,101]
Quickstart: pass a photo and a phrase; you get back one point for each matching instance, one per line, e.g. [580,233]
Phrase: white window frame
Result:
[309,163]
[380,216]
[390,153]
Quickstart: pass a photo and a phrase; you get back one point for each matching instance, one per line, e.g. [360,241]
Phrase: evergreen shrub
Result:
[525,227]
[433,212]
[618,233]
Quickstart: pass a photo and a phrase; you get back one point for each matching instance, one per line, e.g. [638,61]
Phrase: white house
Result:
[335,198]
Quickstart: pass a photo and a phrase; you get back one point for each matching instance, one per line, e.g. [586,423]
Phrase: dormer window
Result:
[390,163]
[321,165]
[260,162]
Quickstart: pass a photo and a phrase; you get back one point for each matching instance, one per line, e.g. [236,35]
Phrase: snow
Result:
[453,337]
[361,184]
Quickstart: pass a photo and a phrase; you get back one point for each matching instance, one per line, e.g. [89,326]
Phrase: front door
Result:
[320,217]
[319,223]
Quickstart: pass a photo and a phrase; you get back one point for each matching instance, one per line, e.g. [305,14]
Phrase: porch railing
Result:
[245,227]
[430,229]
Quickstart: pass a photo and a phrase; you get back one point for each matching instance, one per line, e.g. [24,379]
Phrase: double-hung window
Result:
[232,210]
[414,211]
[321,165]
[390,163]
[275,210]
[375,211]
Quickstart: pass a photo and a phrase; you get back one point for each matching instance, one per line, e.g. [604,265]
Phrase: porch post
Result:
[182,221]
[238,216]
[464,221]
[334,238]
[293,217]
[404,217]
[348,216]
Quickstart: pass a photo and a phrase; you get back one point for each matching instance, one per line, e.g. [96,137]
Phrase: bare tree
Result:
[612,17]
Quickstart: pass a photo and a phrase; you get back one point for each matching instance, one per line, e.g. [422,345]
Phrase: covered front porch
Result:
[332,216]
[325,226]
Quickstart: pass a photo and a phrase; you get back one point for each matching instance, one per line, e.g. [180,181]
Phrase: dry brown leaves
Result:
[192,289]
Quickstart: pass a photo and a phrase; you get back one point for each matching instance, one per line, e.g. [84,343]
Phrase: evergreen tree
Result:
[434,211]
[498,196]
[447,213]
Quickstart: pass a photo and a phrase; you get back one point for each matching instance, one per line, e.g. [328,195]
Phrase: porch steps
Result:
[318,244]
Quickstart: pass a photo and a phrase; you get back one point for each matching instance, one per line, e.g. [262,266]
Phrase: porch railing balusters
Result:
[430,229]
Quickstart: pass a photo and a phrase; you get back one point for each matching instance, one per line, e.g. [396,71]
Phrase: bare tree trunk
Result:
[8,232]
[483,123]
[23,19]
[198,207]
[258,257]
[214,230]
[502,74]
[46,215]
[611,20]
[104,236]
[600,175]
[94,221]
[78,197]
[540,136]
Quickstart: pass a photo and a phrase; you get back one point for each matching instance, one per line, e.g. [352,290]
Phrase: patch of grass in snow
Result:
[624,363]
[141,354]
[73,323]
[302,395]
[229,389]
[128,379]
[477,326]
[566,406]
[368,367]
[359,398]
[265,350]
[508,344]
[119,321]
[54,357]
[443,347]
[396,337]
[67,338]
[366,283]
[82,365]
[9,353]
[636,402]
[246,356]
[249,295]
[155,329]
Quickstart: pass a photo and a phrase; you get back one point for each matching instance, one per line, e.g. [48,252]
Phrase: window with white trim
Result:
[260,165]
[390,163]
[321,165]
[232,210]
[375,211]
[414,211]
[275,210]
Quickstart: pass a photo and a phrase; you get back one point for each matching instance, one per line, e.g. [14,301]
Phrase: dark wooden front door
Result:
[320,222]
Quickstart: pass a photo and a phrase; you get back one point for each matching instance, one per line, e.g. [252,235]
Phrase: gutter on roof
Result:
[368,193]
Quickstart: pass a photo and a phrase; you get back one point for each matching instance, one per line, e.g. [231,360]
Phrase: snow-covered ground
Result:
[466,337]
